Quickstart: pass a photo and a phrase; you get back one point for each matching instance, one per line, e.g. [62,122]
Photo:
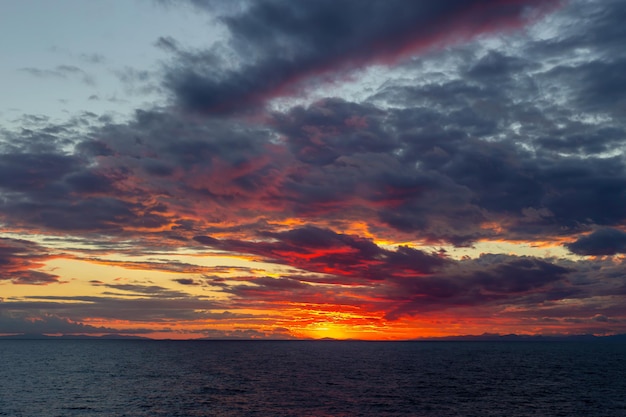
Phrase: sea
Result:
[41,378]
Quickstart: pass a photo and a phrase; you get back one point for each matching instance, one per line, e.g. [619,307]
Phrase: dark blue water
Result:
[229,378]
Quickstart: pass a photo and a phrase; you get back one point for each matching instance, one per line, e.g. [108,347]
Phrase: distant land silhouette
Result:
[491,337]
[486,337]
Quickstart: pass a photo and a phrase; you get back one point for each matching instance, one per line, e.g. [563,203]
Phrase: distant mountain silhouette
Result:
[491,337]
[485,337]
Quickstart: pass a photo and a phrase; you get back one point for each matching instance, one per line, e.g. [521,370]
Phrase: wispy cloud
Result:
[61,71]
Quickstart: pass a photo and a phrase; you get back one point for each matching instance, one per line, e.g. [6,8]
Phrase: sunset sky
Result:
[384,169]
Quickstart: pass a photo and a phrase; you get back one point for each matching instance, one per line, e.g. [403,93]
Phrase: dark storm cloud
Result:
[280,43]
[604,85]
[362,159]
[59,192]
[495,66]
[107,182]
[585,140]
[595,58]
[441,165]
[491,279]
[605,17]
[588,191]
[103,214]
[439,181]
[571,191]
[28,171]
[535,144]
[601,242]
[332,128]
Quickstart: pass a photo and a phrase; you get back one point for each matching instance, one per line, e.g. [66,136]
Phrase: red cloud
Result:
[19,260]
[356,259]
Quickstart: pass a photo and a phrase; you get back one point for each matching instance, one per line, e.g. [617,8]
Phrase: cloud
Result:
[187,281]
[136,81]
[518,288]
[356,260]
[343,200]
[140,290]
[46,324]
[491,280]
[278,45]
[18,173]
[168,265]
[19,323]
[132,304]
[450,157]
[600,242]
[20,261]
[61,71]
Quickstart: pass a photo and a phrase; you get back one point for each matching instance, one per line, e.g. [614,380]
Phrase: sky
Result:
[380,169]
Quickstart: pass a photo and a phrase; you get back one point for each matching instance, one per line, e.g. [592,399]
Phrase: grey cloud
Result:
[600,242]
[112,306]
[33,172]
[141,290]
[92,58]
[187,281]
[584,139]
[136,81]
[279,42]
[440,163]
[492,279]
[11,322]
[89,214]
[332,128]
[537,288]
[167,43]
[497,67]
[61,71]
